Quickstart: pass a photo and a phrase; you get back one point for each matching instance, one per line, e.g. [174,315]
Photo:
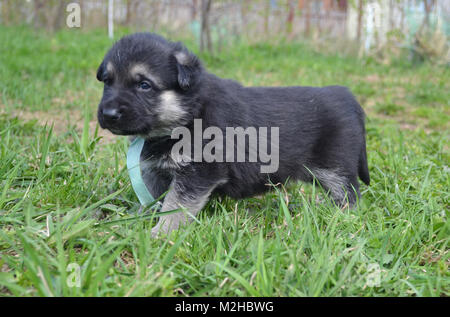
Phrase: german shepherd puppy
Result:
[153,86]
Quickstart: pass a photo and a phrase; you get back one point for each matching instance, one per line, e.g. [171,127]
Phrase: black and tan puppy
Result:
[153,87]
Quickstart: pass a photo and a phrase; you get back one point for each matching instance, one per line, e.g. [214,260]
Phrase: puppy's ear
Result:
[101,71]
[188,67]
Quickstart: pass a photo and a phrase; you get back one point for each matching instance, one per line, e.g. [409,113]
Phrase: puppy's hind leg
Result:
[342,188]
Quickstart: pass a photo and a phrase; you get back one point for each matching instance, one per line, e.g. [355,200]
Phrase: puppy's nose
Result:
[112,114]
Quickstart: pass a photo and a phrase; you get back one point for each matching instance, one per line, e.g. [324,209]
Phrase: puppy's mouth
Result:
[126,132]
[118,130]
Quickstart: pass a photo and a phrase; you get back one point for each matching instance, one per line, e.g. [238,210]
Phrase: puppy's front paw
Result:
[156,231]
[159,230]
[166,225]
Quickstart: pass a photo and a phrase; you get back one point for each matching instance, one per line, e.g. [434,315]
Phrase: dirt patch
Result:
[373,78]
[61,121]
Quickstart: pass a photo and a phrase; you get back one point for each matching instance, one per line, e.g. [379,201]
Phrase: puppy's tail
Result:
[363,170]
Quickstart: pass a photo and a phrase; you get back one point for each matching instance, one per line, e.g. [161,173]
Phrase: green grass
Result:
[65,196]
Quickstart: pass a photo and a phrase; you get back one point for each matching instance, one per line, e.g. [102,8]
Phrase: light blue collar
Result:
[134,170]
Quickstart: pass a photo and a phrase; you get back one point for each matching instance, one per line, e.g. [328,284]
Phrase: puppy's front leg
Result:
[188,194]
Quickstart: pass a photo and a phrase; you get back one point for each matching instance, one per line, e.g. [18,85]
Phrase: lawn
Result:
[67,209]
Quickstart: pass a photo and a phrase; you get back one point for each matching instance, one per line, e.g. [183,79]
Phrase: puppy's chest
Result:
[156,155]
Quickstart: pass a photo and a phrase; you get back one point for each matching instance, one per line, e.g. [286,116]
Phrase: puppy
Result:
[152,87]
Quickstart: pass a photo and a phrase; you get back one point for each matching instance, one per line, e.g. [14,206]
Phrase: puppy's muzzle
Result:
[110,115]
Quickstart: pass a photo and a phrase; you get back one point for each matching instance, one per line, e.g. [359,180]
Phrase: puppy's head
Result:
[148,83]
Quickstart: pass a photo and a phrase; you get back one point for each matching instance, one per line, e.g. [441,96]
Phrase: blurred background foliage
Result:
[381,30]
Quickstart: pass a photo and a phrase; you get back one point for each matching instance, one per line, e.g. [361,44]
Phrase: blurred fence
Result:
[215,22]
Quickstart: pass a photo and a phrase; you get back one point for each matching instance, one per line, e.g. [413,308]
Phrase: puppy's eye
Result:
[144,85]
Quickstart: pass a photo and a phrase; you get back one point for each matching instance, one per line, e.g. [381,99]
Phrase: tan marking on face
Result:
[142,69]
[110,68]
[169,108]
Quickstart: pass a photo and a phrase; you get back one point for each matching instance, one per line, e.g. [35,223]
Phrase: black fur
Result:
[321,129]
